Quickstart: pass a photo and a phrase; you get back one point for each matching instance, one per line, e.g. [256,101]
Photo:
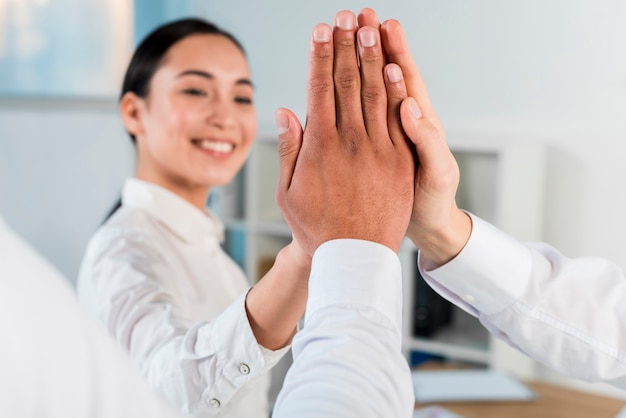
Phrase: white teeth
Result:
[223,147]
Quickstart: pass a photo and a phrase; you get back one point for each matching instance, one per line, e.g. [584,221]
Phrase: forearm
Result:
[566,313]
[277,302]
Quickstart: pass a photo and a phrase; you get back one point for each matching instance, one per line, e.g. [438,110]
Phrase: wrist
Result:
[443,244]
[296,258]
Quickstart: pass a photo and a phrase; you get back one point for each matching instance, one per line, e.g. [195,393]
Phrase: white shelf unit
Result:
[255,227]
[502,181]
[268,232]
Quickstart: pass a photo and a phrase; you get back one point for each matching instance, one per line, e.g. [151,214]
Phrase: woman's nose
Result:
[222,113]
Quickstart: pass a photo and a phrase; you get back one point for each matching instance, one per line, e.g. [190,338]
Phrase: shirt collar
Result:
[184,219]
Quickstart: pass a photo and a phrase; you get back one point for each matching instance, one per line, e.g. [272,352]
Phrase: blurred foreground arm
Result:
[56,361]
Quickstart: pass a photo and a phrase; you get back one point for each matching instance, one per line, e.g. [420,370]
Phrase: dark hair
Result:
[149,54]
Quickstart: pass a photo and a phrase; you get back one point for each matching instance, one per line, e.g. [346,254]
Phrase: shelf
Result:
[449,351]
[262,179]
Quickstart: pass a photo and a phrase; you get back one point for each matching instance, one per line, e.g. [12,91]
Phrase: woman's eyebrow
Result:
[199,73]
[209,76]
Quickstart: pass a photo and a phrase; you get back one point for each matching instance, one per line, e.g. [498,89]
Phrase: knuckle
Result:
[432,131]
[346,80]
[351,139]
[371,56]
[345,42]
[322,53]
[320,86]
[285,148]
[372,95]
[396,93]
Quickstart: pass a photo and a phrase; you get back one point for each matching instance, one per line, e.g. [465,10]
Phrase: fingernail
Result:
[367,37]
[282,122]
[414,109]
[344,20]
[394,74]
[321,33]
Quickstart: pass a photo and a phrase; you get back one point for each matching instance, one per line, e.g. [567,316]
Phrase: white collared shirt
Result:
[156,276]
[568,313]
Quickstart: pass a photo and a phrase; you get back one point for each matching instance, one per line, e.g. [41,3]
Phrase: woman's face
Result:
[197,125]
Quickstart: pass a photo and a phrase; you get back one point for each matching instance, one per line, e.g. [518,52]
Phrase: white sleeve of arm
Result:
[566,313]
[192,366]
[56,360]
[347,358]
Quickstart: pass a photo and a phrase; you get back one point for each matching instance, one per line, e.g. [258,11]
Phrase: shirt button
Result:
[214,403]
[468,298]
[244,368]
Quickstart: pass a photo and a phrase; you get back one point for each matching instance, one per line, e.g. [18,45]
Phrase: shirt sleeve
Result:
[568,313]
[199,367]
[347,358]
[56,360]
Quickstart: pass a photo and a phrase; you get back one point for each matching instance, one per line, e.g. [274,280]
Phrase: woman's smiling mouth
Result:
[214,146]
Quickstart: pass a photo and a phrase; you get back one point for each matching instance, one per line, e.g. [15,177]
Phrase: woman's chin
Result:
[217,181]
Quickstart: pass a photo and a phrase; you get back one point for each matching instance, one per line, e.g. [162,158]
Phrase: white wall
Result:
[62,165]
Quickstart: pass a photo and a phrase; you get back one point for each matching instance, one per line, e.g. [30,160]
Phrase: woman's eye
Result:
[243,100]
[194,92]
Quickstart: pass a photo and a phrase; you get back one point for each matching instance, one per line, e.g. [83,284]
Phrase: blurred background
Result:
[547,72]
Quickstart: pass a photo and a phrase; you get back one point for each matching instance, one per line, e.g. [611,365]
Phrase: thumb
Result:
[289,144]
[411,118]
[438,168]
[428,137]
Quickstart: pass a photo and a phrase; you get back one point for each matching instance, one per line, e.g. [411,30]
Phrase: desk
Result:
[553,402]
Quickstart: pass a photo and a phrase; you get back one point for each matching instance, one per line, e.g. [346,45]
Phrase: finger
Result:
[367,17]
[396,93]
[289,145]
[346,74]
[373,91]
[397,51]
[320,86]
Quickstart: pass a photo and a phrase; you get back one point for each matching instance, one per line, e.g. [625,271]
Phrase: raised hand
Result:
[350,173]
[437,226]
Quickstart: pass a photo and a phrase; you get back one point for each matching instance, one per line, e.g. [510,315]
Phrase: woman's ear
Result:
[131,110]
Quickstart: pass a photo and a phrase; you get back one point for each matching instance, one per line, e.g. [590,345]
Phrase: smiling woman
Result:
[154,273]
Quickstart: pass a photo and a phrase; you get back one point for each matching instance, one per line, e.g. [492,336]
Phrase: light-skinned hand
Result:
[437,227]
